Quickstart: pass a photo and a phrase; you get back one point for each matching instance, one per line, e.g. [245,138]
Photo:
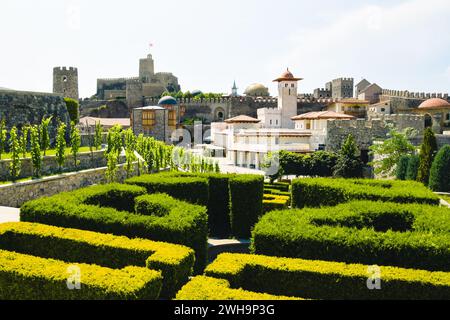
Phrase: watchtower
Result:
[65,82]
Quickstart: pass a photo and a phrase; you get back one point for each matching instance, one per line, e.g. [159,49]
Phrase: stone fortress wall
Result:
[65,82]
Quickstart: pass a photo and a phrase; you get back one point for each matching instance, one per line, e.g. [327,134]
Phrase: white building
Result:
[246,140]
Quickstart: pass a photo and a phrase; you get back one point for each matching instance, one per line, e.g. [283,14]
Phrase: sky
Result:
[402,45]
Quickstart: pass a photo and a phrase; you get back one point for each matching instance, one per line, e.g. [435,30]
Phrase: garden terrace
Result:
[315,279]
[111,209]
[405,235]
[207,288]
[174,261]
[317,192]
[234,202]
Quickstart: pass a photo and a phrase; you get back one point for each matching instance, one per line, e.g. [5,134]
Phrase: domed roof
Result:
[168,100]
[287,76]
[257,90]
[434,103]
[196,92]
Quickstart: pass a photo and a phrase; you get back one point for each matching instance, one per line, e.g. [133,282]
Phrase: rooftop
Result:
[107,122]
[435,103]
[242,119]
[323,115]
[287,76]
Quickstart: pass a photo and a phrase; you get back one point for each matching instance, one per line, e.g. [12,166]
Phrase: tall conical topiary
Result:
[402,167]
[427,153]
[440,171]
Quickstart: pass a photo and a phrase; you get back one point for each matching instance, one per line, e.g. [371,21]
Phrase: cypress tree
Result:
[428,151]
[402,167]
[413,167]
[440,171]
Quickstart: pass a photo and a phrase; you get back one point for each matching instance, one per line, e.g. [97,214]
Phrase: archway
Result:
[428,121]
[219,115]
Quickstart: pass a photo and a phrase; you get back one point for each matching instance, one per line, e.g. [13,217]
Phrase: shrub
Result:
[61,145]
[428,150]
[325,280]
[413,167]
[316,192]
[402,168]
[405,235]
[16,163]
[219,205]
[207,288]
[246,195]
[349,164]
[45,137]
[440,171]
[110,209]
[73,108]
[26,277]
[175,262]
[3,136]
[36,158]
[188,188]
[274,202]
[75,142]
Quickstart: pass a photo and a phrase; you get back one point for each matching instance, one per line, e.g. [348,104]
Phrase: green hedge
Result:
[405,235]
[246,196]
[317,192]
[228,198]
[206,288]
[26,277]
[183,187]
[186,223]
[315,279]
[174,261]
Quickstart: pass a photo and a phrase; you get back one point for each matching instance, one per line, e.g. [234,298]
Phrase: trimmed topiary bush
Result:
[440,171]
[110,209]
[246,195]
[207,288]
[315,279]
[317,192]
[174,261]
[427,153]
[219,220]
[402,168]
[413,168]
[405,235]
[25,277]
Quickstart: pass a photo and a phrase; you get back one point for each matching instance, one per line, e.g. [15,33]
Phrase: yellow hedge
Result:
[206,288]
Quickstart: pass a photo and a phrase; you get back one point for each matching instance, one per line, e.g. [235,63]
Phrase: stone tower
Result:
[287,98]
[65,82]
[146,69]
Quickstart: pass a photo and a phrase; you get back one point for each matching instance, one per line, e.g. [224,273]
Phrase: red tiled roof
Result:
[242,119]
[287,76]
[435,103]
[322,115]
[106,122]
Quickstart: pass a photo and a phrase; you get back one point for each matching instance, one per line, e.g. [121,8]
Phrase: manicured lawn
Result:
[52,152]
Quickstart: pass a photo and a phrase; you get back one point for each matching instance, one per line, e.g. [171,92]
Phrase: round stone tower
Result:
[65,82]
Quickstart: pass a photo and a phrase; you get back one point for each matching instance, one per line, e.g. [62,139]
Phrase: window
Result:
[277,122]
[448,117]
[148,119]
[172,118]
[270,122]
[293,85]
[383,109]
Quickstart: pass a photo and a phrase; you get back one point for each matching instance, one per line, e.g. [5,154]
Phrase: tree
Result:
[61,145]
[14,145]
[413,167]
[3,133]
[24,140]
[388,153]
[130,147]
[75,142]
[427,153]
[349,164]
[440,171]
[402,167]
[111,167]
[98,135]
[73,108]
[45,138]
[36,158]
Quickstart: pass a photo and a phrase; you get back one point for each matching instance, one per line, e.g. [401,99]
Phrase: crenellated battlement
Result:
[413,95]
[380,122]
[65,69]
[117,79]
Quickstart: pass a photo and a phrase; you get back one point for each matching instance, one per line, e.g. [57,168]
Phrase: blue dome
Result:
[168,100]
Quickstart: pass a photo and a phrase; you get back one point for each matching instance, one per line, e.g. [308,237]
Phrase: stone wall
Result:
[50,166]
[19,108]
[15,195]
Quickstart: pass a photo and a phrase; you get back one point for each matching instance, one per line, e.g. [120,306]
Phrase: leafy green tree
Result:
[3,133]
[389,152]
[14,145]
[217,167]
[36,158]
[413,167]
[130,147]
[427,153]
[111,167]
[115,139]
[402,167]
[98,136]
[75,143]
[349,164]
[24,140]
[73,108]
[440,171]
[61,145]
[45,137]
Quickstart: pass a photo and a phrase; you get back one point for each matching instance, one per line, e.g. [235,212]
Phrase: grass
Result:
[52,152]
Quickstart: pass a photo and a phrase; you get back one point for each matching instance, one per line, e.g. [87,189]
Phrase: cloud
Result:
[399,46]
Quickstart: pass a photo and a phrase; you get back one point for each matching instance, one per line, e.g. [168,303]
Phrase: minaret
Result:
[287,98]
[234,90]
